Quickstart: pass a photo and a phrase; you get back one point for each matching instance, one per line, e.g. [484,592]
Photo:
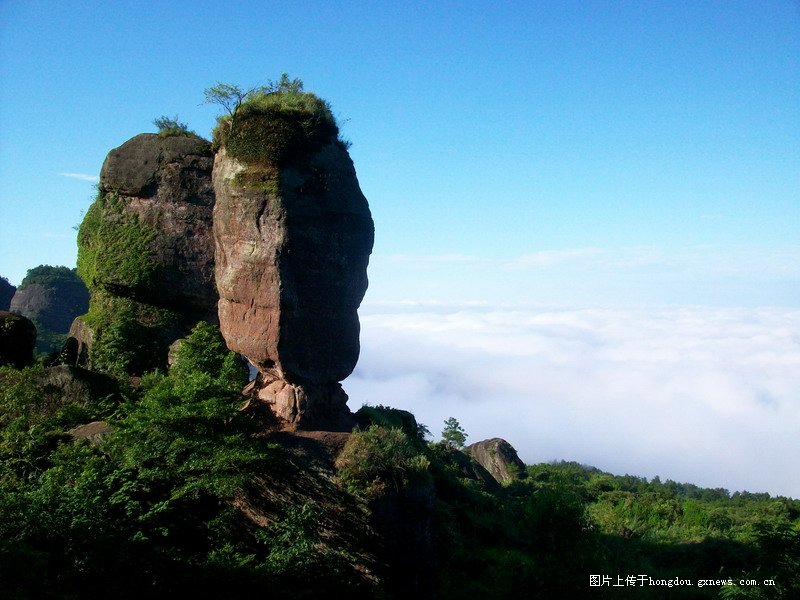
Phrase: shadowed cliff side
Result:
[6,293]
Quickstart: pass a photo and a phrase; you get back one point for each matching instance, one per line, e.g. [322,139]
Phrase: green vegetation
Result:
[544,536]
[114,247]
[266,127]
[115,262]
[380,459]
[49,277]
[127,334]
[168,126]
[453,434]
[152,510]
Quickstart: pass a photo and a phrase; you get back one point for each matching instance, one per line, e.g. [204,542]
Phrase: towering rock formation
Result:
[51,297]
[165,183]
[293,235]
[145,250]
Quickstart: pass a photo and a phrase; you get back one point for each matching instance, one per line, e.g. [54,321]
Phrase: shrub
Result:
[205,351]
[168,126]
[126,334]
[381,459]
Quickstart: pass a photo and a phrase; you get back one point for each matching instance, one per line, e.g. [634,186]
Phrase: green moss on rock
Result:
[114,247]
[275,127]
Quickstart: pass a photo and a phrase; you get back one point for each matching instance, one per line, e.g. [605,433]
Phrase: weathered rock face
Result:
[292,249]
[166,183]
[499,458]
[51,307]
[146,251]
[17,340]
[51,297]
[6,293]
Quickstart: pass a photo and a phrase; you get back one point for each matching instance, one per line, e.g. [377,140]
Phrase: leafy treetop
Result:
[267,125]
[453,434]
[171,126]
[48,276]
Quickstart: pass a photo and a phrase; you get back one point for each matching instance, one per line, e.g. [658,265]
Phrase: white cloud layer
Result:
[700,395]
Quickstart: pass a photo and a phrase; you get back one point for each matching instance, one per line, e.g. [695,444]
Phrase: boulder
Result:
[94,432]
[293,235]
[51,297]
[6,293]
[78,386]
[17,340]
[165,182]
[146,251]
[499,458]
[76,348]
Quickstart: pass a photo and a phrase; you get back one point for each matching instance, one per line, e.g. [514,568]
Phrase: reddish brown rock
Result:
[146,252]
[293,240]
[165,181]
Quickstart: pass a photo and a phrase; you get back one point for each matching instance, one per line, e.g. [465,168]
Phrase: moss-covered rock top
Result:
[276,125]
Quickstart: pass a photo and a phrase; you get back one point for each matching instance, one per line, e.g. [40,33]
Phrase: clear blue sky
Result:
[543,152]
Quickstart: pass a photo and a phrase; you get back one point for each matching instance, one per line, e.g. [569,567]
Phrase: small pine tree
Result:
[453,434]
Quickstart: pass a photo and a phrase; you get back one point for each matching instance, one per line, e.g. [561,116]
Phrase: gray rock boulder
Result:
[51,297]
[165,182]
[74,385]
[146,252]
[499,458]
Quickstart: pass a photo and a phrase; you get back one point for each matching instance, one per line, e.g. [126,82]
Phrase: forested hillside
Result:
[181,492]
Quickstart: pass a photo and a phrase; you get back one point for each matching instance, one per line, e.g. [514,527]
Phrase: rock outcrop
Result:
[17,340]
[94,432]
[293,235]
[64,384]
[165,182]
[146,251]
[6,293]
[499,458]
[51,297]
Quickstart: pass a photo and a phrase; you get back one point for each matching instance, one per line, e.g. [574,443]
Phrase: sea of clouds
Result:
[709,396]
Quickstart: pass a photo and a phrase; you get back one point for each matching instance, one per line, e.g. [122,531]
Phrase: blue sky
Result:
[478,130]
[516,155]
